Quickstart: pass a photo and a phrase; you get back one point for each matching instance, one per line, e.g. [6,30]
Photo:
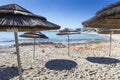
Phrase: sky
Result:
[66,13]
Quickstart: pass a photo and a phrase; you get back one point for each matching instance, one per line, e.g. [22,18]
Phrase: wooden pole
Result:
[39,42]
[68,46]
[34,50]
[110,43]
[18,56]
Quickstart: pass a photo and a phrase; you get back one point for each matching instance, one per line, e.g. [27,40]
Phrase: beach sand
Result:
[86,62]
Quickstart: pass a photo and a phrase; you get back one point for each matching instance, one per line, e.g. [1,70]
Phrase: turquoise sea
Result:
[7,38]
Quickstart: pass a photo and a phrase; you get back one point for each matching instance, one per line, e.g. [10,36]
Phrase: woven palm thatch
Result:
[33,35]
[108,17]
[108,31]
[13,16]
[68,31]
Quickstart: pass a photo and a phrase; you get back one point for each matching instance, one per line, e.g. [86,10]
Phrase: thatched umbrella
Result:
[34,35]
[68,31]
[109,31]
[108,17]
[15,18]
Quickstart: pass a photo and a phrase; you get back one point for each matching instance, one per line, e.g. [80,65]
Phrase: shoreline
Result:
[72,42]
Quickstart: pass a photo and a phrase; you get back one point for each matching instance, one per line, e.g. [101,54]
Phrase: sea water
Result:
[7,38]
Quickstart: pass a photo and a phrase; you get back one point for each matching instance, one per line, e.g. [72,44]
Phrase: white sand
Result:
[84,70]
[114,36]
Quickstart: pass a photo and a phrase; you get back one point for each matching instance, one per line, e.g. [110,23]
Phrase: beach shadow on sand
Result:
[7,73]
[60,64]
[103,60]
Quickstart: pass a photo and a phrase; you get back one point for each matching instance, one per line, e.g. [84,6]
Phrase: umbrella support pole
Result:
[68,46]
[18,56]
[34,50]
[39,42]
[110,43]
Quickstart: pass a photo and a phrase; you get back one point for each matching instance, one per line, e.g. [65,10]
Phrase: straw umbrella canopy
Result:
[14,18]
[108,17]
[109,31]
[68,31]
[34,35]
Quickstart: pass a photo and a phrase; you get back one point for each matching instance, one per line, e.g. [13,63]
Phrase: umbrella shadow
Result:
[60,64]
[8,73]
[103,60]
